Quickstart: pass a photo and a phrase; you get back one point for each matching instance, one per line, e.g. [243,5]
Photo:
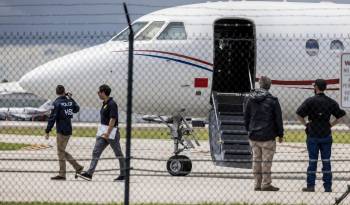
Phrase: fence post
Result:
[129,107]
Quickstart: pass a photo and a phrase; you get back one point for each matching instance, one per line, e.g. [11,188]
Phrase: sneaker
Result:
[120,178]
[270,188]
[85,176]
[308,189]
[58,177]
[78,171]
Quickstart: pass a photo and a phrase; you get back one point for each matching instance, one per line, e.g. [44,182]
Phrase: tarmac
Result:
[25,175]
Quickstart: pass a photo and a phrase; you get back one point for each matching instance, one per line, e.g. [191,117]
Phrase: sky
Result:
[83,16]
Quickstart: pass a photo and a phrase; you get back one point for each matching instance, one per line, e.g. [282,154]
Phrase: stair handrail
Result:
[216,114]
[250,79]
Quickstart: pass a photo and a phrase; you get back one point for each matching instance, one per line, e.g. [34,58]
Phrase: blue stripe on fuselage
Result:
[176,60]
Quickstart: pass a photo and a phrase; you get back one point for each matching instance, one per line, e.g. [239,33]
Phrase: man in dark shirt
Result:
[263,121]
[62,113]
[319,109]
[107,134]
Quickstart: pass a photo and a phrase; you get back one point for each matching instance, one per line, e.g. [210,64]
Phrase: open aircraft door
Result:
[233,79]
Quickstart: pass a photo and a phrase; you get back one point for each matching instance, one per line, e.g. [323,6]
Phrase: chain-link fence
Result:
[201,123]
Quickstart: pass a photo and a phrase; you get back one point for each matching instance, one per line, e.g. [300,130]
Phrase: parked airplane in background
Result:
[201,60]
[26,113]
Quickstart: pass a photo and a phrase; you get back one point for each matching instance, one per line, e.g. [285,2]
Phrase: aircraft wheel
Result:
[179,165]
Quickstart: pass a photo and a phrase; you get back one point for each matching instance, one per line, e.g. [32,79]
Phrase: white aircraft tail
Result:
[47,105]
[11,87]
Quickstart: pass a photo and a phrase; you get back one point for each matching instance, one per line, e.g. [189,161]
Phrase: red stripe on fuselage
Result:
[178,55]
[301,82]
[275,82]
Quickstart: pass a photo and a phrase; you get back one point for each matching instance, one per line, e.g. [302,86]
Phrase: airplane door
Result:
[234,56]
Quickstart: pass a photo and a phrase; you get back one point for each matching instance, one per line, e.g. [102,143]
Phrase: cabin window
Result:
[337,45]
[124,35]
[174,31]
[151,31]
[312,47]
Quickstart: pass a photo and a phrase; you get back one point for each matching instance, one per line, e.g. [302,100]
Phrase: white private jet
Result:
[26,113]
[201,60]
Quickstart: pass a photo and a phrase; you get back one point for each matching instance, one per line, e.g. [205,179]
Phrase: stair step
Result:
[242,142]
[231,122]
[230,107]
[234,132]
[234,137]
[238,152]
[237,155]
[224,98]
[232,127]
[221,113]
[231,118]
[235,147]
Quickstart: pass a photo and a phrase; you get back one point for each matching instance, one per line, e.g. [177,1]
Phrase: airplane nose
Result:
[38,80]
[80,72]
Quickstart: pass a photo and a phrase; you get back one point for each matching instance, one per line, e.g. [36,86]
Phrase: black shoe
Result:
[85,176]
[120,178]
[327,190]
[257,189]
[270,188]
[308,189]
[78,171]
[58,178]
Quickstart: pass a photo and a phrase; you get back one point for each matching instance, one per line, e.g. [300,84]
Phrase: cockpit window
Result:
[150,31]
[174,31]
[337,45]
[312,47]
[124,36]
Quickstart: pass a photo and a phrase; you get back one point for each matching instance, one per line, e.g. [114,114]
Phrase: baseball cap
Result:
[321,84]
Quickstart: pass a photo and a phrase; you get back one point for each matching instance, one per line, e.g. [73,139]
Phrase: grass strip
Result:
[296,136]
[11,146]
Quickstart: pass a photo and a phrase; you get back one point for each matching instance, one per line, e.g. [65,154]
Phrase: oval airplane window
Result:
[337,45]
[312,47]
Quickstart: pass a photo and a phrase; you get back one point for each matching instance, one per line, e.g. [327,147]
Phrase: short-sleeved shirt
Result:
[109,110]
[319,109]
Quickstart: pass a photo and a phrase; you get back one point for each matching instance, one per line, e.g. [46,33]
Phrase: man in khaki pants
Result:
[263,121]
[62,113]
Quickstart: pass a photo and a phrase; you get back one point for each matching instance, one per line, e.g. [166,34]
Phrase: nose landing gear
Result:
[179,165]
[182,134]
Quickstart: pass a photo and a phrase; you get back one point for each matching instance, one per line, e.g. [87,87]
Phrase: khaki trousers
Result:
[262,161]
[62,142]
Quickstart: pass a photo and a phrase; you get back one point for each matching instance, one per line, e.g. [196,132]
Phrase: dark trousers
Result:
[323,146]
[100,145]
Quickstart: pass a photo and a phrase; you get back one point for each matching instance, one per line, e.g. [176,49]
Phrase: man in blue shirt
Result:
[107,134]
[62,113]
[319,109]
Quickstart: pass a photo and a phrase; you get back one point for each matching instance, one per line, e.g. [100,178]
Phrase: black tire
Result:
[179,165]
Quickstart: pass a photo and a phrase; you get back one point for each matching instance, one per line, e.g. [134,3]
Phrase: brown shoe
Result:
[308,189]
[270,188]
[78,171]
[58,178]
[257,189]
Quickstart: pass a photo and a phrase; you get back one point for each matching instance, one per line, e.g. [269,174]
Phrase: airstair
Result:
[229,143]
